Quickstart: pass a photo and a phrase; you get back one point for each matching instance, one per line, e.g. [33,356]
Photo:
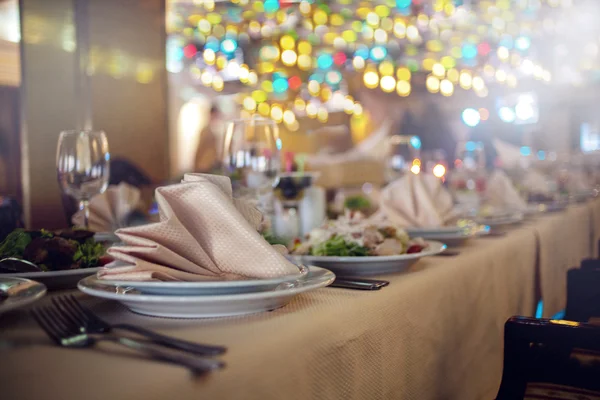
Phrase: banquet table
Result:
[436,332]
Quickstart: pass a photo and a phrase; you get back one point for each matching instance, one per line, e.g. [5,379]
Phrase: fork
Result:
[65,332]
[94,324]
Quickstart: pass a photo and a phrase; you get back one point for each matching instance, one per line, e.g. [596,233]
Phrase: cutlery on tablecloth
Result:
[65,332]
[359,283]
[94,324]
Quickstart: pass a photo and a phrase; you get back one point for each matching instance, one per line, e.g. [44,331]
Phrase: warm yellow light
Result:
[209,56]
[206,78]
[243,73]
[358,109]
[322,114]
[320,17]
[452,75]
[371,79]
[386,68]
[348,105]
[287,42]
[358,62]
[478,83]
[433,84]
[218,83]
[311,110]
[439,170]
[372,19]
[276,113]
[304,62]
[264,109]
[289,117]
[403,88]
[415,169]
[294,126]
[313,87]
[501,75]
[252,78]
[304,47]
[465,80]
[249,104]
[380,36]
[400,29]
[503,53]
[438,70]
[299,104]
[388,84]
[446,87]
[289,57]
[403,74]
[412,33]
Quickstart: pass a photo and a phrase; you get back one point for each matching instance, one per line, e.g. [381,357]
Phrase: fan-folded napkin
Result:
[418,201]
[110,210]
[501,193]
[203,234]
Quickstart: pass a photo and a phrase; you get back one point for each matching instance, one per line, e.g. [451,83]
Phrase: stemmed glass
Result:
[251,156]
[83,166]
[403,156]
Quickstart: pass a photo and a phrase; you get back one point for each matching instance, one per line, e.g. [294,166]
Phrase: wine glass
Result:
[83,166]
[403,156]
[251,156]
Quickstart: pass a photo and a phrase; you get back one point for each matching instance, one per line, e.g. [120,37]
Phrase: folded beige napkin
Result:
[536,182]
[203,234]
[500,193]
[418,201]
[109,210]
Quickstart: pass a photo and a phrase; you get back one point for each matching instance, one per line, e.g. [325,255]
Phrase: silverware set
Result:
[358,283]
[69,324]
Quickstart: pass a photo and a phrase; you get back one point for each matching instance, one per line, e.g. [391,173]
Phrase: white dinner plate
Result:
[204,288]
[54,280]
[207,306]
[19,292]
[500,220]
[453,237]
[541,208]
[370,265]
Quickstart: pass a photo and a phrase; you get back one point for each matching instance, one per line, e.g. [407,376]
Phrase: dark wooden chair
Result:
[550,359]
[583,291]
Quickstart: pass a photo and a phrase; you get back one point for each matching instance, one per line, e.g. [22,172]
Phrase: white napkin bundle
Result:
[110,210]
[203,234]
[418,201]
[500,193]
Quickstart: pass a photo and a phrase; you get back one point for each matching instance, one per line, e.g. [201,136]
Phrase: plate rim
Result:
[207,299]
[52,274]
[399,257]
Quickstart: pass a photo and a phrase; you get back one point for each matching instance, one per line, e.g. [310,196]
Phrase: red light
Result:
[190,51]
[339,58]
[294,82]
[483,48]
[484,114]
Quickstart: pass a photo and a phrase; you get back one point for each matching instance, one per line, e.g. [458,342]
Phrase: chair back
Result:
[550,359]
[583,292]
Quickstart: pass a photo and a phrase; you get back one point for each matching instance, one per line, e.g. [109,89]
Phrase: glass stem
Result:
[84,205]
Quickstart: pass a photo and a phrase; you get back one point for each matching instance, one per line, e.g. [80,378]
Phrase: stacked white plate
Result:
[371,265]
[451,235]
[208,298]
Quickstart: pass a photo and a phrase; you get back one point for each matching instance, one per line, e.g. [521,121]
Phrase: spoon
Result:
[12,265]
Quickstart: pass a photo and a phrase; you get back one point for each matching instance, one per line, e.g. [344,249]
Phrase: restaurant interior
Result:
[300,199]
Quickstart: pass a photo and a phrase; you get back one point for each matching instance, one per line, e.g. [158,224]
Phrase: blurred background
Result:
[337,76]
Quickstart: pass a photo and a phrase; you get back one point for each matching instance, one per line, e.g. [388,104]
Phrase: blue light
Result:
[378,53]
[415,142]
[470,146]
[362,51]
[522,43]
[471,117]
[271,5]
[325,61]
[403,3]
[278,143]
[280,85]
[507,42]
[506,114]
[212,45]
[319,77]
[228,45]
[469,51]
[525,151]
[541,155]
